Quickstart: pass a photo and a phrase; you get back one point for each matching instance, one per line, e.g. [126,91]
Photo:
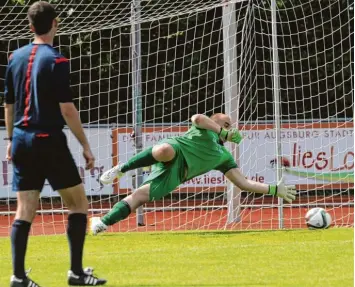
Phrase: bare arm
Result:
[71,117]
[238,179]
[63,93]
[9,119]
[9,101]
[69,112]
[288,193]
[204,122]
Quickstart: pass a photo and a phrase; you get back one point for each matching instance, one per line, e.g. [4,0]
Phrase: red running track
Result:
[265,218]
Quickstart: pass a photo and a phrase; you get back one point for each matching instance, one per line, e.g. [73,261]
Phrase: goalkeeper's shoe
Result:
[110,175]
[96,226]
[26,282]
[85,279]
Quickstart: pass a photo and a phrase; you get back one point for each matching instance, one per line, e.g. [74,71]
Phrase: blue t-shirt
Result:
[36,81]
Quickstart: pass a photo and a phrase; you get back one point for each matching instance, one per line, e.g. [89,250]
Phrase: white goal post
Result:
[283,70]
[231,97]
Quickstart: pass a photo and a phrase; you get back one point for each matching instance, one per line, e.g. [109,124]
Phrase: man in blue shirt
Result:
[38,102]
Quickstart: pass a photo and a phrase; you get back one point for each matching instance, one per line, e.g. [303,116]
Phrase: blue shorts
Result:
[37,156]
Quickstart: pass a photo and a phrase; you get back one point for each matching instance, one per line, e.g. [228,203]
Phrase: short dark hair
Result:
[41,15]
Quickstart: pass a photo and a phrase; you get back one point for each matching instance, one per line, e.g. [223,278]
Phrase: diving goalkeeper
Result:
[178,159]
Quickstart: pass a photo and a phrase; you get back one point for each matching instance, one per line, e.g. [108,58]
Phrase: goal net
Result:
[141,70]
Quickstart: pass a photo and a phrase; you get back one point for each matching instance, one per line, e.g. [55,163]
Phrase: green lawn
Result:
[299,258]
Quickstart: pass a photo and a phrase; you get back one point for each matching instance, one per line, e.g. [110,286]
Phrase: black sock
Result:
[19,239]
[76,236]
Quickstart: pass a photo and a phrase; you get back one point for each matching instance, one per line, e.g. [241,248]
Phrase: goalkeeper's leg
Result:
[120,210]
[162,180]
[163,152]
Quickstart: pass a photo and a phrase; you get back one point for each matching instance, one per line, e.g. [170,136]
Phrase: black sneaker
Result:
[26,282]
[86,279]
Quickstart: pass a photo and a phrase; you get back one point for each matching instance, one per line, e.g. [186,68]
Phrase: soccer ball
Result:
[318,218]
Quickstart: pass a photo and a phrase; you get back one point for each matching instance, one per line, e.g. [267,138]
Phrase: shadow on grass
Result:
[227,232]
[202,233]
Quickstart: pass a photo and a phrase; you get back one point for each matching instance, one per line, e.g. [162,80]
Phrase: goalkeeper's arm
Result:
[281,190]
[204,122]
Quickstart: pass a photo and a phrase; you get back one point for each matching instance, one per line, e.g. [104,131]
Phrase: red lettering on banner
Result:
[321,158]
[346,160]
[257,178]
[306,156]
[82,173]
[5,172]
[296,155]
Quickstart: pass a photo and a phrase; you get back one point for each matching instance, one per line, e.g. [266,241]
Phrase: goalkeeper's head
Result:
[223,120]
[43,19]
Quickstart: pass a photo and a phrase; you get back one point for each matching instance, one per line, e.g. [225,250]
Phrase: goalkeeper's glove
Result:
[287,192]
[232,135]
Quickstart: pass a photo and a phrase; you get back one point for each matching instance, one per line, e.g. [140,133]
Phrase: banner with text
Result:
[101,145]
[322,155]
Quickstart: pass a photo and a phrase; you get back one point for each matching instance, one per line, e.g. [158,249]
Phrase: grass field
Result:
[299,258]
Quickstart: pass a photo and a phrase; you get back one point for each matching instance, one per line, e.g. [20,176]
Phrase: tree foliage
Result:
[182,59]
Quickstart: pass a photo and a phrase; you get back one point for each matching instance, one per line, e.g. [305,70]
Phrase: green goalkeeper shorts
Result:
[166,177]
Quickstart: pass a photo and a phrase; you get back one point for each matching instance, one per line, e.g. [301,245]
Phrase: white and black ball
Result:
[318,218]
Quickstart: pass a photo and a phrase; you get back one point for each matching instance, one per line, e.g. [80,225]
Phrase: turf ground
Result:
[299,258]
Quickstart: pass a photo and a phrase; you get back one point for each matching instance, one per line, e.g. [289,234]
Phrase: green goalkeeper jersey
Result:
[203,152]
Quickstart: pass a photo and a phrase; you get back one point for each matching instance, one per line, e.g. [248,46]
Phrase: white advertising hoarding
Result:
[101,145]
[309,156]
[317,155]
